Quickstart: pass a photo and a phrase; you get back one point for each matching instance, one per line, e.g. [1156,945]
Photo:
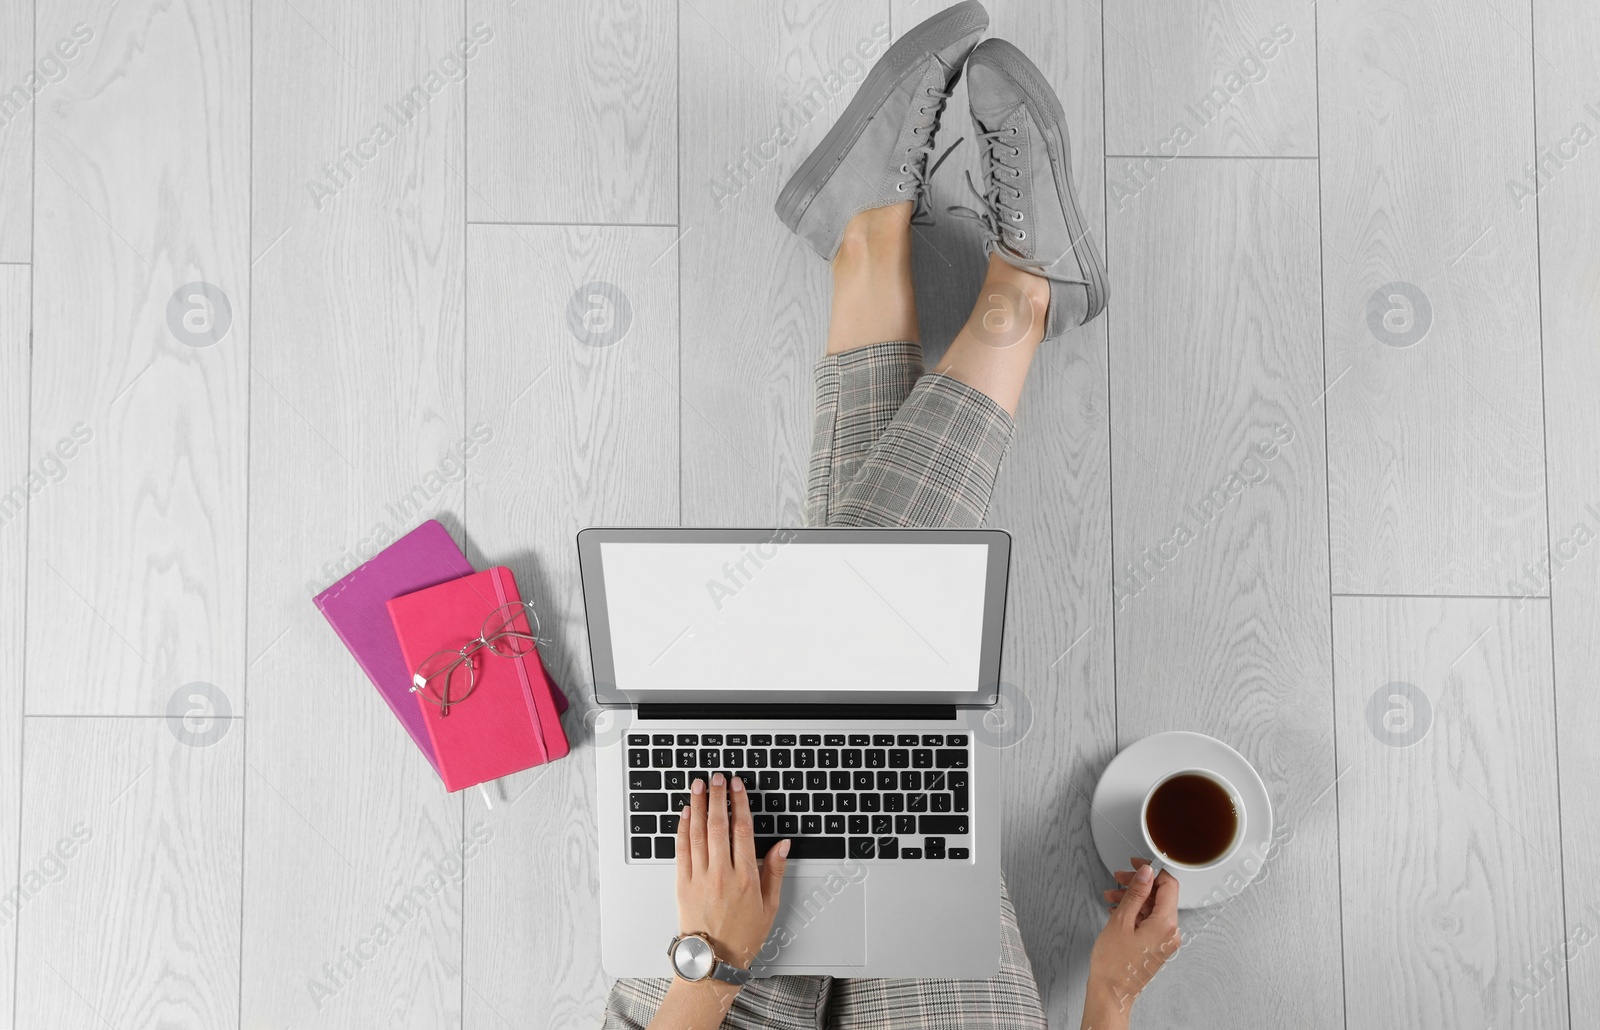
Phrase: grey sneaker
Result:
[1028,205]
[880,150]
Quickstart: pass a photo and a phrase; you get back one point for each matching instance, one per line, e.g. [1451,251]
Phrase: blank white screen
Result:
[795,616]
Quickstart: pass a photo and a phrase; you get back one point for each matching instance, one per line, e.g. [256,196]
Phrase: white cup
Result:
[1238,821]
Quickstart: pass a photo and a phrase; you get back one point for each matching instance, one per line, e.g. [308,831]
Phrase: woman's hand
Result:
[724,891]
[1140,936]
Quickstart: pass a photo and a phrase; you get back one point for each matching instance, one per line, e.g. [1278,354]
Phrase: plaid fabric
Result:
[894,447]
[773,1003]
[1009,1000]
[858,393]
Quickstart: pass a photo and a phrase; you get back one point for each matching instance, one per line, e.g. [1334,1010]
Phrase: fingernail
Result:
[698,786]
[716,779]
[783,849]
[738,785]
[1143,875]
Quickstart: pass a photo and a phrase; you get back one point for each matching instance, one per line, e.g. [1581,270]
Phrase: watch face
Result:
[692,958]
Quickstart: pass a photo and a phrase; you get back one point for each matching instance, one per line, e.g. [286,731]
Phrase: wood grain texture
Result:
[1221,552]
[573,112]
[1210,78]
[130,840]
[352,901]
[754,296]
[143,188]
[1054,497]
[1443,842]
[1436,455]
[18,80]
[1568,34]
[15,465]
[584,433]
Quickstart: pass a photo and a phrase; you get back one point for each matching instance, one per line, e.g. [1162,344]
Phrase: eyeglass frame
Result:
[465,653]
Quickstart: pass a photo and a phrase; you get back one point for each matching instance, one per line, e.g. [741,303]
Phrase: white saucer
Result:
[1114,813]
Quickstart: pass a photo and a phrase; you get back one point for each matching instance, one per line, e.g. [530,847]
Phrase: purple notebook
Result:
[357,608]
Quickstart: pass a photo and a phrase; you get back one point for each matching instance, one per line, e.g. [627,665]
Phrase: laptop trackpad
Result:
[822,921]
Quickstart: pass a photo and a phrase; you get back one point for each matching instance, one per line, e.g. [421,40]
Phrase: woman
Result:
[896,447]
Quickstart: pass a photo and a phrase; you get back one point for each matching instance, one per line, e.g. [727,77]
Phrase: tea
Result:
[1191,819]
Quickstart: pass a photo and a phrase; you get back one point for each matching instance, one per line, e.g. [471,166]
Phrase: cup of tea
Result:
[1192,819]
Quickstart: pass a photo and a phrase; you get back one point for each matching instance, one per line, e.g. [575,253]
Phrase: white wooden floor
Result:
[1322,230]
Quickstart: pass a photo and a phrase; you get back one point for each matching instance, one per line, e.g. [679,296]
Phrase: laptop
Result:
[844,675]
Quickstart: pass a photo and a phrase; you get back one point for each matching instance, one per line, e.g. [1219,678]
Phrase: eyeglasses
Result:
[448,678]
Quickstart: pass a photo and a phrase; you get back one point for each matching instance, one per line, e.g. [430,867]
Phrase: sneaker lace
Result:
[996,215]
[920,163]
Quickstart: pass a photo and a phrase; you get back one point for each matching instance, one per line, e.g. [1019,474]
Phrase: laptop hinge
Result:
[709,712]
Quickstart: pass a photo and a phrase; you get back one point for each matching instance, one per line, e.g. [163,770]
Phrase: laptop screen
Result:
[798,614]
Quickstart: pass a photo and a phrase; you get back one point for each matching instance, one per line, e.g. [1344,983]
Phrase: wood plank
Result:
[754,296]
[1207,79]
[573,111]
[16,466]
[1568,35]
[1221,552]
[1054,498]
[19,79]
[1436,453]
[1450,848]
[130,841]
[358,425]
[142,192]
[582,432]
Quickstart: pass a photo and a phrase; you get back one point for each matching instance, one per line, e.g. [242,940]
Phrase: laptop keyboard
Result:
[872,796]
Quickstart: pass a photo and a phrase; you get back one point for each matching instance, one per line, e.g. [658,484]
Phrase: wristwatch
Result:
[693,959]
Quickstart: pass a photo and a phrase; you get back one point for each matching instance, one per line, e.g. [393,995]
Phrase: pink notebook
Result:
[356,609]
[512,720]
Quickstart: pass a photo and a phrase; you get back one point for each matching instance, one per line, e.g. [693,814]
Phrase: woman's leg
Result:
[1009,1000]
[874,354]
[893,447]
[873,300]
[937,460]
[994,350]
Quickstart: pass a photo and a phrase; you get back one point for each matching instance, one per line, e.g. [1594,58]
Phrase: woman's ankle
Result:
[1034,289]
[875,235]
[1010,308]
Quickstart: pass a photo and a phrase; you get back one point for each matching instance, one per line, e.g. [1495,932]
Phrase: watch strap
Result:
[729,973]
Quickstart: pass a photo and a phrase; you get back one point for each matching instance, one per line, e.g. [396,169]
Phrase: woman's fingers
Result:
[685,851]
[697,824]
[1114,898]
[744,830]
[1164,905]
[772,868]
[1133,899]
[1125,877]
[717,823]
[1160,927]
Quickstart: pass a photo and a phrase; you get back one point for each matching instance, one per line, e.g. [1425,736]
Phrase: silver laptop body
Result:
[846,675]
